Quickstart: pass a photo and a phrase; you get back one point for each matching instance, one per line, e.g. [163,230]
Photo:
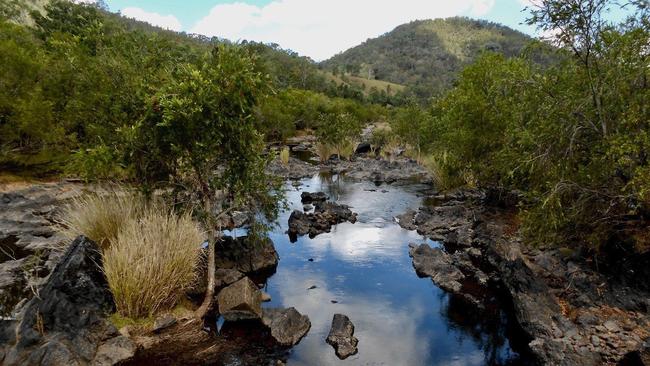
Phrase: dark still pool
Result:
[363,270]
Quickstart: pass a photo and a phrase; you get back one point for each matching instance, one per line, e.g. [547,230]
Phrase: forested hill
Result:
[427,55]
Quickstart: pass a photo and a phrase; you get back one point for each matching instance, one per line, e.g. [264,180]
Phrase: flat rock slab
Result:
[287,326]
[240,301]
[438,265]
[341,337]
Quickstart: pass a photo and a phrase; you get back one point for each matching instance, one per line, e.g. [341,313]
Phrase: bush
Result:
[100,216]
[153,261]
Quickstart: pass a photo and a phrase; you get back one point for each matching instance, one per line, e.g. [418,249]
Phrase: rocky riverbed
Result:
[566,312]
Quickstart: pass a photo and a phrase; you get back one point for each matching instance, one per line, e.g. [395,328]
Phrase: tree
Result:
[198,137]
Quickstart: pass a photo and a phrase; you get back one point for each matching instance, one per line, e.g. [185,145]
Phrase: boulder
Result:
[224,277]
[363,148]
[341,337]
[246,255]
[307,197]
[240,301]
[287,326]
[438,265]
[65,324]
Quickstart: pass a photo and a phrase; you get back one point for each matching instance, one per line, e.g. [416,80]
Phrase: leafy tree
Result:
[198,136]
[338,130]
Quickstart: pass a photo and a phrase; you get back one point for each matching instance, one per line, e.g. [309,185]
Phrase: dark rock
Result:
[436,264]
[246,255]
[363,148]
[163,322]
[240,301]
[341,336]
[312,287]
[287,326]
[307,197]
[325,215]
[66,324]
[224,277]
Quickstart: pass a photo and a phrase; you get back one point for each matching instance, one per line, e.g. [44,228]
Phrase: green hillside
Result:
[427,55]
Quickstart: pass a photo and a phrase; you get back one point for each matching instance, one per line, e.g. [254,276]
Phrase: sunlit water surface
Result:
[363,270]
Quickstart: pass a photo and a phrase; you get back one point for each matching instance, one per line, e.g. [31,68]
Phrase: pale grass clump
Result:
[153,261]
[346,149]
[284,156]
[100,216]
[324,152]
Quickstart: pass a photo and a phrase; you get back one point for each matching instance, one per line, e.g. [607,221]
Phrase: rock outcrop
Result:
[65,324]
[325,215]
[569,314]
[287,326]
[341,336]
[435,263]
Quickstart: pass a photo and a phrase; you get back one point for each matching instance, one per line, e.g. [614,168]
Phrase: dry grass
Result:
[284,155]
[100,216]
[153,261]
[346,149]
[324,152]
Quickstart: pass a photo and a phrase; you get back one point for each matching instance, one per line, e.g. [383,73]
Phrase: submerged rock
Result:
[65,324]
[240,301]
[341,336]
[435,263]
[287,326]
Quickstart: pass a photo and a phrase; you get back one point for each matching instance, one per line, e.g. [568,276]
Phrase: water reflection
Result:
[363,270]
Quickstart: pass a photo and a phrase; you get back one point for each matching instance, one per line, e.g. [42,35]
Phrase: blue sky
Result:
[315,28]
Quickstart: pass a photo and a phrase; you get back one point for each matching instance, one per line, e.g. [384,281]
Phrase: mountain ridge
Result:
[427,54]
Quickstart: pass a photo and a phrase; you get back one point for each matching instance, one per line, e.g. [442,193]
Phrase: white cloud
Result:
[164,21]
[321,29]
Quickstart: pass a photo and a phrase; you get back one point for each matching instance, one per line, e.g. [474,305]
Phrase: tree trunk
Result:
[212,239]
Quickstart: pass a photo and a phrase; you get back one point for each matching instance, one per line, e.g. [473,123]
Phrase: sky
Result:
[315,28]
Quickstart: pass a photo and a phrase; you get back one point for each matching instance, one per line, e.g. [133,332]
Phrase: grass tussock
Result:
[324,152]
[284,155]
[346,149]
[152,261]
[100,216]
[445,173]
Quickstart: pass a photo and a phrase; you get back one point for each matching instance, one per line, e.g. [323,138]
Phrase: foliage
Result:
[572,136]
[427,55]
[152,261]
[338,130]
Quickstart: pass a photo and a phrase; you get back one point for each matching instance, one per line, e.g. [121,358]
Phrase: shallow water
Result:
[363,270]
